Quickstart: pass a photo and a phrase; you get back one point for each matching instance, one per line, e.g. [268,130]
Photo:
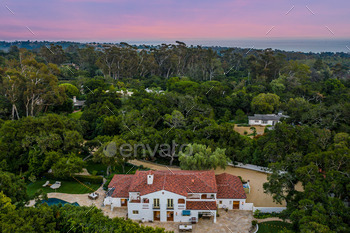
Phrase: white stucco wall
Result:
[112,201]
[163,197]
[228,203]
[134,195]
[107,201]
[145,210]
[248,206]
[260,122]
[199,195]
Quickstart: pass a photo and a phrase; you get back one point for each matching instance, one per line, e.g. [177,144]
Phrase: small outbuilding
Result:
[266,119]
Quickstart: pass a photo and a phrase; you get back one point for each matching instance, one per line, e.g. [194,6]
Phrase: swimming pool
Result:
[56,201]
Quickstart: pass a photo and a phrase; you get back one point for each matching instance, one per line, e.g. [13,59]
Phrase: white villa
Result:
[265,119]
[179,196]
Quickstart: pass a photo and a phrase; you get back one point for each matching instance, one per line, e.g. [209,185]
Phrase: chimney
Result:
[74,99]
[150,179]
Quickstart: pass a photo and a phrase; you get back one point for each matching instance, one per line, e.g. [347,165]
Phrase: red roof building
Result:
[229,187]
[179,196]
[184,183]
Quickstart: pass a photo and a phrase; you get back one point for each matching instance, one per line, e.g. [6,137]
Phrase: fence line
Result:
[269,209]
[251,167]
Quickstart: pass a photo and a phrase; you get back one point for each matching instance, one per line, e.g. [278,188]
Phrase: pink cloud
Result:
[167,19]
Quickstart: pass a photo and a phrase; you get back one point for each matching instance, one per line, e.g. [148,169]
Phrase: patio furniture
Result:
[185,227]
[93,196]
[46,183]
[193,220]
[206,215]
[56,185]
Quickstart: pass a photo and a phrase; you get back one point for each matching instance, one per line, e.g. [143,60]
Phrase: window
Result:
[135,212]
[181,201]
[256,121]
[156,202]
[170,203]
[220,202]
[264,122]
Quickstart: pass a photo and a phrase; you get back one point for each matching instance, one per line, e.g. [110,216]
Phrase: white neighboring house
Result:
[179,196]
[154,90]
[125,93]
[78,104]
[265,119]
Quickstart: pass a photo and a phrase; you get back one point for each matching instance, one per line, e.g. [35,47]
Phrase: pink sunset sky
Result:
[116,20]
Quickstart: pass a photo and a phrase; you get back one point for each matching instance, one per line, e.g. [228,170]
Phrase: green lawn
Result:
[72,187]
[273,226]
[75,115]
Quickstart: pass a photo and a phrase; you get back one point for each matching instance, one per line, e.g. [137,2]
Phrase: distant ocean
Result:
[297,45]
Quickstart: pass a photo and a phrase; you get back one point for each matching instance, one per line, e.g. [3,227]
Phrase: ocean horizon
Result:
[296,45]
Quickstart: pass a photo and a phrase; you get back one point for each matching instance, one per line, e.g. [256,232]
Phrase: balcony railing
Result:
[205,197]
[198,196]
[169,207]
[134,201]
[156,206]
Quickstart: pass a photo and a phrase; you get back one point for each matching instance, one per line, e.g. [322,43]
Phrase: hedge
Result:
[81,178]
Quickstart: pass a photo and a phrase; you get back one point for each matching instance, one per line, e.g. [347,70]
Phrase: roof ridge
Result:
[206,182]
[164,181]
[227,183]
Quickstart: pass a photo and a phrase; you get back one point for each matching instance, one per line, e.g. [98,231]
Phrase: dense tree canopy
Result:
[44,218]
[200,157]
[164,97]
[34,145]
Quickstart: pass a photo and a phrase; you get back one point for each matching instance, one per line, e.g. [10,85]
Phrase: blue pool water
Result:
[56,201]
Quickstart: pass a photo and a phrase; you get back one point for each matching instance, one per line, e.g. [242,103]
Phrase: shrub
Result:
[254,222]
[256,213]
[81,178]
[259,215]
[91,179]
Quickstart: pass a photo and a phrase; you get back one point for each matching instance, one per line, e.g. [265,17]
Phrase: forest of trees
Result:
[197,95]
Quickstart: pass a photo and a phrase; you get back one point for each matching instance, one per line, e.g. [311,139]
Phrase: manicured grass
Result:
[72,187]
[273,226]
[75,115]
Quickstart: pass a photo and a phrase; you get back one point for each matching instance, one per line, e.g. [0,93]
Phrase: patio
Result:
[229,222]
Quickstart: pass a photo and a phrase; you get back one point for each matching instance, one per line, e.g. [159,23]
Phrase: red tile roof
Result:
[121,183]
[180,182]
[229,187]
[201,205]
